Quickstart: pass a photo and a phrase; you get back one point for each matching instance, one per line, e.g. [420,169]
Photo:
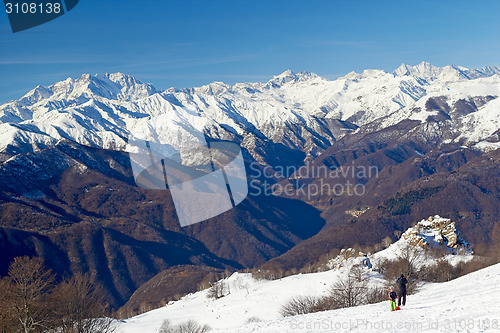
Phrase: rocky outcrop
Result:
[434,231]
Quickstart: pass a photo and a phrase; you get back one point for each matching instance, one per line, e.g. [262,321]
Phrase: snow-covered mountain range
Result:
[399,122]
[300,112]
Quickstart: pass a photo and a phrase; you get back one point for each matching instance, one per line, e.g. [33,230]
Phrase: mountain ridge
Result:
[301,111]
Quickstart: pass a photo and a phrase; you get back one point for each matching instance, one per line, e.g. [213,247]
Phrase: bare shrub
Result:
[208,280]
[218,289]
[477,263]
[267,274]
[308,268]
[292,271]
[376,295]
[412,258]
[443,271]
[253,320]
[349,290]
[409,262]
[386,242]
[177,296]
[268,271]
[166,327]
[190,326]
[322,264]
[358,273]
[437,251]
[80,306]
[258,274]
[380,264]
[322,268]
[302,305]
[394,269]
[377,247]
[241,283]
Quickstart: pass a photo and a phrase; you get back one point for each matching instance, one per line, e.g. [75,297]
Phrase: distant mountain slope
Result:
[457,182]
[79,209]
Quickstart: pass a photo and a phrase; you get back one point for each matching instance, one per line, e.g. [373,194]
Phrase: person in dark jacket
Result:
[402,281]
[392,297]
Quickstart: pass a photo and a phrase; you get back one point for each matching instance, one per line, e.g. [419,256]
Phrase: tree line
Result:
[32,301]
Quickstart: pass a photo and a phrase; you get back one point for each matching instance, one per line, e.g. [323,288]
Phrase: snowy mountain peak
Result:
[428,72]
[287,73]
[130,86]
[36,94]
[215,88]
[488,70]
[448,73]
[290,76]
[116,86]
[423,70]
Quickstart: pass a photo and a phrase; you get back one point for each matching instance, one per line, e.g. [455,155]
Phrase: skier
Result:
[392,297]
[402,281]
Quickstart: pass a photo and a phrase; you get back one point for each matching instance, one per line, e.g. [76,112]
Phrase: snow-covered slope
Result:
[302,111]
[466,304]
[250,299]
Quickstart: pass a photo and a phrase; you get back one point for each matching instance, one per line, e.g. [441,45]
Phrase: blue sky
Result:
[189,43]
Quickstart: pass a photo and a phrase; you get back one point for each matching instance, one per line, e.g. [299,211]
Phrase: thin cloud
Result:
[332,42]
[183,63]
[242,76]
[9,40]
[48,61]
[209,77]
[333,77]
[8,95]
